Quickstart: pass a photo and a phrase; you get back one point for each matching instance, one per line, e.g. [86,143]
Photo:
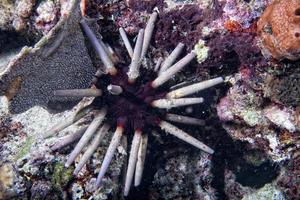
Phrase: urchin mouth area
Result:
[130,99]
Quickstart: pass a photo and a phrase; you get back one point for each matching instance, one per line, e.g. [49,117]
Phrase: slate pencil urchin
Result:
[127,102]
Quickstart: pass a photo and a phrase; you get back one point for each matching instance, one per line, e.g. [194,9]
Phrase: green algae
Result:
[61,175]
[25,148]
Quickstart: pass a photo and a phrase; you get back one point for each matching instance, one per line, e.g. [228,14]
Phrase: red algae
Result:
[180,25]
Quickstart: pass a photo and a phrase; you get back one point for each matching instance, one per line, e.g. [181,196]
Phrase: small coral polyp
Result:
[131,99]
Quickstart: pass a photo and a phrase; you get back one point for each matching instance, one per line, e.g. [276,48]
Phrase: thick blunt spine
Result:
[91,149]
[172,57]
[172,103]
[170,72]
[92,92]
[68,139]
[134,68]
[148,33]
[115,141]
[184,119]
[132,161]
[191,89]
[141,160]
[173,130]
[99,48]
[126,42]
[86,136]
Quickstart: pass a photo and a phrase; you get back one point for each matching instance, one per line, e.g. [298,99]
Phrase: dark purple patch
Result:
[231,51]
[148,6]
[132,108]
[179,25]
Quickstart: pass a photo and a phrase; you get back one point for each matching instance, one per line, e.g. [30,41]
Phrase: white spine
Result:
[132,161]
[191,89]
[184,119]
[172,103]
[91,149]
[126,42]
[141,160]
[173,130]
[78,93]
[171,58]
[109,154]
[134,71]
[100,49]
[68,139]
[86,136]
[170,72]
[66,123]
[148,33]
[158,64]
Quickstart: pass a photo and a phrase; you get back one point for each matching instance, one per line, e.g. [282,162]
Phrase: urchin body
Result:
[129,99]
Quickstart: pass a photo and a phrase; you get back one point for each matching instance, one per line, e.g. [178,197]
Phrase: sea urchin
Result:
[131,99]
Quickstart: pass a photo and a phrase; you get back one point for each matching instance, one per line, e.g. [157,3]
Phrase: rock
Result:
[58,61]
[268,192]
[184,177]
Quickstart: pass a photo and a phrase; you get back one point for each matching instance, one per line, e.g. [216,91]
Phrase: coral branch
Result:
[171,103]
[132,160]
[148,33]
[169,73]
[171,58]
[133,72]
[99,48]
[126,42]
[169,128]
[141,160]
[184,119]
[86,136]
[92,92]
[91,149]
[109,154]
[184,91]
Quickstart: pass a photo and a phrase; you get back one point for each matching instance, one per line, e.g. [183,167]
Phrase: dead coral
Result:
[279,29]
[24,9]
[48,14]
[6,9]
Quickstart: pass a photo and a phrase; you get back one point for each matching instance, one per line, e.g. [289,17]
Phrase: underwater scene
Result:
[150,99]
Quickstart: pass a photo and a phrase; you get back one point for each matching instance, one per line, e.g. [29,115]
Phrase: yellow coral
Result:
[201,51]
